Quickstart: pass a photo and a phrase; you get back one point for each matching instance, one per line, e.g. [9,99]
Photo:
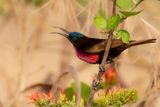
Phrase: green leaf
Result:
[127,14]
[125,38]
[116,36]
[100,22]
[138,3]
[69,92]
[124,4]
[113,22]
[85,90]
[124,35]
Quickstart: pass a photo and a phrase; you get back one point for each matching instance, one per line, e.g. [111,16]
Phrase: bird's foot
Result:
[102,68]
[95,85]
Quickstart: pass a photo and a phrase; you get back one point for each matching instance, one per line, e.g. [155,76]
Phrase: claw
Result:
[102,68]
[95,85]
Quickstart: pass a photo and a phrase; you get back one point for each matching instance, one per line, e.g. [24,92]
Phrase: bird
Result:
[91,50]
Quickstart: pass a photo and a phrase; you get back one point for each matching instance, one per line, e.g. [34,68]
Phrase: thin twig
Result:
[105,56]
[109,40]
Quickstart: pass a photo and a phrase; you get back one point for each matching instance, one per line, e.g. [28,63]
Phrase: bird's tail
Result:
[141,42]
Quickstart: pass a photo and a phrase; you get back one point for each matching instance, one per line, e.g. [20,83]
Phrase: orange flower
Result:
[35,97]
[49,96]
[110,74]
[129,98]
[38,96]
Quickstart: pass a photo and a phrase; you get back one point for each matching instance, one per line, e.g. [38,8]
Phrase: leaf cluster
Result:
[126,9]
[71,91]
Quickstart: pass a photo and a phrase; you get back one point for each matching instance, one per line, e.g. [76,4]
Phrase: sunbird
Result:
[91,50]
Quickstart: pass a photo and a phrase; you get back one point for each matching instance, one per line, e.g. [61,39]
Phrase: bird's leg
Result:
[102,69]
[97,81]
[110,60]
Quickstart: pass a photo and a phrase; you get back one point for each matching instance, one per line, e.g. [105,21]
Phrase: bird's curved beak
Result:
[65,34]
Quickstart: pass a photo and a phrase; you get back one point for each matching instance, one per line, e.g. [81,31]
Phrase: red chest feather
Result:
[89,58]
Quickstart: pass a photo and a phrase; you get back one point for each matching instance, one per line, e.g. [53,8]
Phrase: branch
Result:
[109,40]
[105,56]
[108,45]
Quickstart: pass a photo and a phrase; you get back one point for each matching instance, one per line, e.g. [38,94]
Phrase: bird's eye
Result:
[74,38]
[70,37]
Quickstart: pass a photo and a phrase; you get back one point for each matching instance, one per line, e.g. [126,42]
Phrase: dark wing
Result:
[96,45]
[85,42]
[99,47]
[116,44]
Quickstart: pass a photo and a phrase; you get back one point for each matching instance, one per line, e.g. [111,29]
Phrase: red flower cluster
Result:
[38,96]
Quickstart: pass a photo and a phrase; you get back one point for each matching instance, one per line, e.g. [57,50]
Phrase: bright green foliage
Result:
[85,90]
[126,10]
[138,3]
[127,14]
[36,2]
[116,36]
[124,35]
[125,38]
[113,22]
[69,92]
[117,98]
[124,4]
[100,22]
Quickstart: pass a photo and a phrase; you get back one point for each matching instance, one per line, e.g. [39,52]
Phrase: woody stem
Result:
[105,56]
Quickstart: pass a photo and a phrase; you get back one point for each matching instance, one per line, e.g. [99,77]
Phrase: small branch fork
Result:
[95,83]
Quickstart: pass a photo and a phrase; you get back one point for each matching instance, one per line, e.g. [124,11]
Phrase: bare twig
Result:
[108,41]
[108,45]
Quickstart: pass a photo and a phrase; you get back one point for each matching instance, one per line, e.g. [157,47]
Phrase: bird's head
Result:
[73,37]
